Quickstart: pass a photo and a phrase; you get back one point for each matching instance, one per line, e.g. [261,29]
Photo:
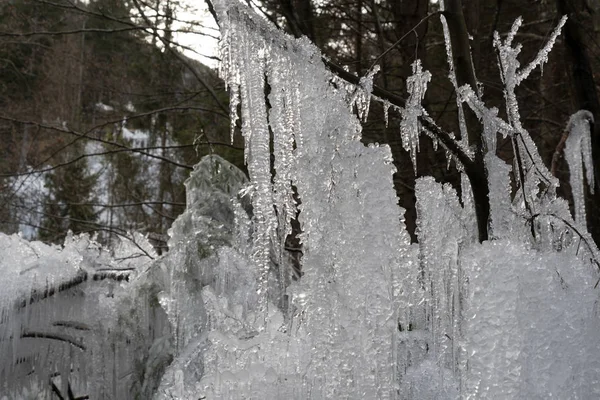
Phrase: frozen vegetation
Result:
[223,316]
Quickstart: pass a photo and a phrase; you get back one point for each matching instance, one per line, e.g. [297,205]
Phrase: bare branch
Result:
[85,135]
[412,30]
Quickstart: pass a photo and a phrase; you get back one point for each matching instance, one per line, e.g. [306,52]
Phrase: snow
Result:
[104,107]
[136,137]
[101,164]
[130,107]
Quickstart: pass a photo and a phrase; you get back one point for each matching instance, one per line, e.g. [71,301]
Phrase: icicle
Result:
[410,126]
[230,73]
[234,101]
[316,147]
[578,154]
[386,109]
[362,96]
[283,121]
[255,129]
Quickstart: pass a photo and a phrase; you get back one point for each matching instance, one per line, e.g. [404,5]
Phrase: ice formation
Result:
[335,339]
[410,127]
[578,154]
[369,315]
[60,322]
[535,180]
[81,319]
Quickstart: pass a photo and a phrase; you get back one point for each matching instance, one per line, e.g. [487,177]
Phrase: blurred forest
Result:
[101,105]
[102,117]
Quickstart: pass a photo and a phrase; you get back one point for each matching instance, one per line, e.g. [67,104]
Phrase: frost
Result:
[578,154]
[542,56]
[529,167]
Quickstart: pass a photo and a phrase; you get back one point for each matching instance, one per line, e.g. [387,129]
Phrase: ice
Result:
[410,127]
[328,347]
[51,303]
[437,283]
[452,76]
[578,154]
[393,320]
[529,330]
[367,315]
[535,180]
[386,112]
[502,219]
[542,56]
[362,96]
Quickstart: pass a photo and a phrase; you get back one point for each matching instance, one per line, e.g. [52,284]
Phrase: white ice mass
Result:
[226,313]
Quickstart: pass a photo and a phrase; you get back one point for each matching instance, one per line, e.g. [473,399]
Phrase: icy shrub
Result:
[79,318]
[61,309]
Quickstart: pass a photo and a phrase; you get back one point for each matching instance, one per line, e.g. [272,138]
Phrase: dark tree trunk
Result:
[465,74]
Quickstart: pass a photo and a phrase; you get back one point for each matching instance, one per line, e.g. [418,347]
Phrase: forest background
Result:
[103,111]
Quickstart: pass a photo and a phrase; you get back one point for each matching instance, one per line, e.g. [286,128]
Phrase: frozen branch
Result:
[542,55]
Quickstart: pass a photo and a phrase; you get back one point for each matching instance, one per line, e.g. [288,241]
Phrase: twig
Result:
[413,29]
[54,336]
[557,152]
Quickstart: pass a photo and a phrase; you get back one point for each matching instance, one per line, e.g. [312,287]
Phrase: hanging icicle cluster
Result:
[302,137]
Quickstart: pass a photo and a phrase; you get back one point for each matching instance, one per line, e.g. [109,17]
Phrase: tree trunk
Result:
[465,74]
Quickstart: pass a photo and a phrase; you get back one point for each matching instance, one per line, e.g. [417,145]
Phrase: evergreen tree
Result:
[70,203]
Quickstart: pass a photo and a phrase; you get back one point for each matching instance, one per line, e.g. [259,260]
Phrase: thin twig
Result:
[413,29]
[53,336]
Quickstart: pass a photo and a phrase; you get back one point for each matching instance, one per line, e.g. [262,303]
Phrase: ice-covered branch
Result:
[396,102]
[535,180]
[542,56]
